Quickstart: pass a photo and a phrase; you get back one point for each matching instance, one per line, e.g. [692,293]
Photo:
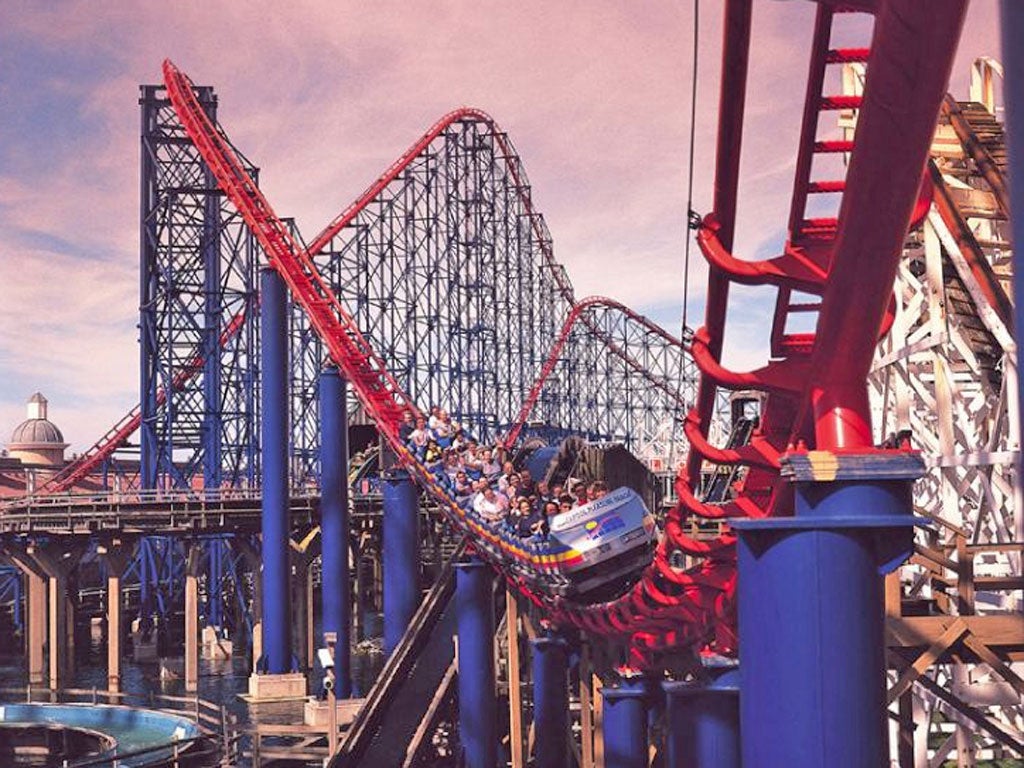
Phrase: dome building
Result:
[37,440]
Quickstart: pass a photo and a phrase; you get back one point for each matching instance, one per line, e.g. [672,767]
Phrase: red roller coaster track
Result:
[815,382]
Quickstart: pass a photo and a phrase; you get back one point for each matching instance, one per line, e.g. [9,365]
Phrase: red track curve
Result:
[825,403]
[577,314]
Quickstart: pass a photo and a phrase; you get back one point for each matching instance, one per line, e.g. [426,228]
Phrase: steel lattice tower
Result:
[447,269]
[197,314]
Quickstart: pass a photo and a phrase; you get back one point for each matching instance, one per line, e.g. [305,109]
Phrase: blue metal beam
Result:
[703,721]
[550,702]
[625,724]
[811,613]
[335,592]
[277,619]
[477,706]
[401,556]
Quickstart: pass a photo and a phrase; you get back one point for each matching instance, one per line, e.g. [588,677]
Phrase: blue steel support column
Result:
[703,723]
[625,724]
[812,646]
[550,701]
[477,706]
[216,552]
[147,292]
[277,622]
[334,523]
[212,413]
[401,556]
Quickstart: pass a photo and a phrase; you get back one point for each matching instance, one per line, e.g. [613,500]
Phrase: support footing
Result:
[214,646]
[317,712]
[276,687]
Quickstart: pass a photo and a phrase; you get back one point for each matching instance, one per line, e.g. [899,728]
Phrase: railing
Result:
[156,496]
[220,734]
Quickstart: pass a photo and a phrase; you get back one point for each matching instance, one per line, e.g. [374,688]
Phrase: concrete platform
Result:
[264,687]
[214,646]
[317,712]
[144,651]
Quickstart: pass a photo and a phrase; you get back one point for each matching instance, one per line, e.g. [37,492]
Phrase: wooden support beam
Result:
[191,633]
[905,732]
[995,631]
[35,635]
[515,692]
[955,631]
[598,698]
[997,665]
[965,578]
[893,594]
[114,632]
[586,712]
[967,712]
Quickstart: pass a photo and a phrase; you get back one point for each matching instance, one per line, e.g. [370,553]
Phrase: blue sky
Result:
[324,95]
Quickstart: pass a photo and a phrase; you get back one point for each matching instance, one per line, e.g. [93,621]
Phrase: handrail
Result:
[148,496]
[116,758]
[397,667]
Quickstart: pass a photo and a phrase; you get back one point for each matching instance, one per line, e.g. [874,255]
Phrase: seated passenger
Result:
[434,453]
[472,463]
[543,493]
[452,463]
[489,506]
[507,470]
[490,468]
[435,416]
[580,492]
[463,487]
[526,483]
[458,438]
[512,488]
[419,438]
[407,426]
[565,503]
[522,517]
[549,510]
[442,429]
[598,489]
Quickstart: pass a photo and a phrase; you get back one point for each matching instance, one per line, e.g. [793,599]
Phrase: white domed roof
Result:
[36,432]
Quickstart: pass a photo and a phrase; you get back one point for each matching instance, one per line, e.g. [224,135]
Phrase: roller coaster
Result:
[528,350]
[815,396]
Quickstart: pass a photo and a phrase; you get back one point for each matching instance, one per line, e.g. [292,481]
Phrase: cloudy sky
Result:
[323,95]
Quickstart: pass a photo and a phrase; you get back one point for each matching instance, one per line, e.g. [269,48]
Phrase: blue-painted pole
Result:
[334,524]
[477,706]
[703,723]
[277,620]
[219,554]
[625,725]
[550,702]
[212,309]
[401,555]
[811,611]
[145,556]
[1013,95]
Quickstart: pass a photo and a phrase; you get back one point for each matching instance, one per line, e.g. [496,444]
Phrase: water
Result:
[221,681]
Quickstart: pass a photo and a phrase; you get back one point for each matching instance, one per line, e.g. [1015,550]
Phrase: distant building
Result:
[37,440]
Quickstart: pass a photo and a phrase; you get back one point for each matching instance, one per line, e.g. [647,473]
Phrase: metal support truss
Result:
[159,569]
[947,374]
[11,596]
[197,324]
[449,273]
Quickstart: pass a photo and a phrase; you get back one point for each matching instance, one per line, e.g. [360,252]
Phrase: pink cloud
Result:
[323,96]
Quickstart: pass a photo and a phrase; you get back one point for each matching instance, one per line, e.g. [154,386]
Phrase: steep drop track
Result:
[813,393]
